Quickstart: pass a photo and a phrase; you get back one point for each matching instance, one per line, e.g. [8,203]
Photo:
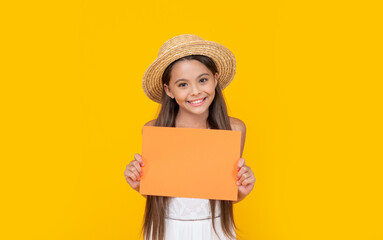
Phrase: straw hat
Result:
[181,46]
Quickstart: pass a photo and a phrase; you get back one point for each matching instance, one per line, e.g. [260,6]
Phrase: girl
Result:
[187,79]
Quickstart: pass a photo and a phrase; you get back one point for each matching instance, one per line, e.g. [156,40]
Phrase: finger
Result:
[242,171]
[130,181]
[131,162]
[137,166]
[136,173]
[245,176]
[241,163]
[133,184]
[139,159]
[131,175]
[248,181]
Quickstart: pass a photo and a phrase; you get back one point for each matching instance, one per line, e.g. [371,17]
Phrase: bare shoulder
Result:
[151,122]
[237,124]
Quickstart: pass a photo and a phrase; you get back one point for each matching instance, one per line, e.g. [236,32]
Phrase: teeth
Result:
[197,101]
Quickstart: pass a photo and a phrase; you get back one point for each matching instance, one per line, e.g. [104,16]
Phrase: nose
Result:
[195,90]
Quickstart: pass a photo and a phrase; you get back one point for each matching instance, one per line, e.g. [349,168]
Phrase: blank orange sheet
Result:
[190,162]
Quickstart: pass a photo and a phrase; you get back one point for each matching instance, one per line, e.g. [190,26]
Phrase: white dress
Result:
[190,219]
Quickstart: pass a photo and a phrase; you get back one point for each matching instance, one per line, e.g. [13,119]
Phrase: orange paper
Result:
[190,162]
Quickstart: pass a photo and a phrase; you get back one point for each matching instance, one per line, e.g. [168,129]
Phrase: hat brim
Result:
[222,57]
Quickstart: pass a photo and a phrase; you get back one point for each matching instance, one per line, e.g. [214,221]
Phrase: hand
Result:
[133,172]
[245,178]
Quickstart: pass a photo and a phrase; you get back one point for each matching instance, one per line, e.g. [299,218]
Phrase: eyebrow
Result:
[182,79]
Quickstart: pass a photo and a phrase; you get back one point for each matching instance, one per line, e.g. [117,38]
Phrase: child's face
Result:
[191,80]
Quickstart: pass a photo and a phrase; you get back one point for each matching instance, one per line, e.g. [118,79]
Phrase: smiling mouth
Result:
[197,103]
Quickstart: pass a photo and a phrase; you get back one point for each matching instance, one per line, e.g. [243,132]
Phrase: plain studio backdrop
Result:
[307,87]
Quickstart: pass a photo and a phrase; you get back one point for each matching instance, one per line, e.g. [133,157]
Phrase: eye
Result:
[181,85]
[203,79]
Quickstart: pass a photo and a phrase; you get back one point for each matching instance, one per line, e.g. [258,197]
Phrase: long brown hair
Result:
[156,206]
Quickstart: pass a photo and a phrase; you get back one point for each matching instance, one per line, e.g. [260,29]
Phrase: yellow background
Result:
[308,87]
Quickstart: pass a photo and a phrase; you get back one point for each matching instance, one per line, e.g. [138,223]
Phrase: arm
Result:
[133,170]
[246,180]
[150,123]
[245,176]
